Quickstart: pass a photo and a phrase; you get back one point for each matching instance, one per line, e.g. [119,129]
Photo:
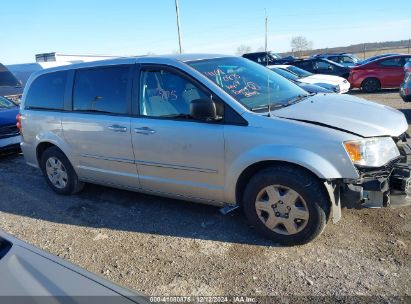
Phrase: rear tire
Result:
[59,172]
[370,85]
[286,204]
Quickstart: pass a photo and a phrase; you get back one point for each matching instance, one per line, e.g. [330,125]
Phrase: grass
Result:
[370,53]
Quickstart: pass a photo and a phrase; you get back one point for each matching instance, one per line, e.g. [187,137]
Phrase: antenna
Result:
[266,30]
[178,27]
[266,61]
[269,97]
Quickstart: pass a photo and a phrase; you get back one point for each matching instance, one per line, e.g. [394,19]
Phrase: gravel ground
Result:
[167,247]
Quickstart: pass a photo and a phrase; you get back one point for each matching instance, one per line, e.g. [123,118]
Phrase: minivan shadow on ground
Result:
[24,192]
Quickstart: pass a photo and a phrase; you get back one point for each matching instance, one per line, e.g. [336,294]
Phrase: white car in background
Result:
[316,79]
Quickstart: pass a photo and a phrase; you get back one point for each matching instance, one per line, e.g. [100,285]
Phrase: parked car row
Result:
[345,59]
[381,73]
[333,84]
[267,58]
[310,88]
[370,75]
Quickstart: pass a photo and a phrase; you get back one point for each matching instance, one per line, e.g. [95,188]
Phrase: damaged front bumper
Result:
[389,185]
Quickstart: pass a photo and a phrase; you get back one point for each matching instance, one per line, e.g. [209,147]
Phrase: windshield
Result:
[299,72]
[6,104]
[355,58]
[285,74]
[274,55]
[250,83]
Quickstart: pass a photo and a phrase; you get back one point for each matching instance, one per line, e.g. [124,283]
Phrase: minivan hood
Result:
[347,113]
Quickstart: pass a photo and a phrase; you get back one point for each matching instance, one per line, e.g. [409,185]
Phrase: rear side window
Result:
[306,65]
[47,91]
[322,65]
[407,59]
[334,58]
[102,89]
[392,62]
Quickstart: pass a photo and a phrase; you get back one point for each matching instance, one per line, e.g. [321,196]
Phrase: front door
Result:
[176,154]
[98,127]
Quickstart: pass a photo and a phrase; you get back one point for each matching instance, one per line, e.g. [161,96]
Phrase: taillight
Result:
[18,124]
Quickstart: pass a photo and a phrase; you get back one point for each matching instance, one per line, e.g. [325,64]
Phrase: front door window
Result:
[167,94]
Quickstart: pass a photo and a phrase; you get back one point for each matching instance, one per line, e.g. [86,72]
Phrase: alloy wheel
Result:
[56,172]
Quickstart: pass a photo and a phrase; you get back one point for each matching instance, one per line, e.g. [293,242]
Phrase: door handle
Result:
[117,128]
[144,130]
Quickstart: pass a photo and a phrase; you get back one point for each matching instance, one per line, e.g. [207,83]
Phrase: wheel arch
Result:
[254,168]
[334,211]
[45,142]
[43,146]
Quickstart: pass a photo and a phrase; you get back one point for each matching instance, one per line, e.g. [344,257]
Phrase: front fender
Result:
[314,162]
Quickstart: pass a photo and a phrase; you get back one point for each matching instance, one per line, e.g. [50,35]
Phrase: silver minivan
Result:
[219,130]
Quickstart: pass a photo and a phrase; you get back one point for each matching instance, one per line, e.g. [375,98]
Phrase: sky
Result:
[137,27]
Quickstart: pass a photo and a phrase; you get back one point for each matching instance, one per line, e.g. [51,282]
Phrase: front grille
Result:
[403,143]
[384,171]
[8,131]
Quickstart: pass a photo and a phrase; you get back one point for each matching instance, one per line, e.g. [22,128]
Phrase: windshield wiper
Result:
[263,107]
[298,98]
[271,106]
[290,102]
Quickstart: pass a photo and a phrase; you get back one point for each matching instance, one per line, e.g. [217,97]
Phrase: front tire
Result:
[59,172]
[286,204]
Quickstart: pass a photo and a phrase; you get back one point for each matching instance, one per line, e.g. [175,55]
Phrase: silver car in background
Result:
[218,130]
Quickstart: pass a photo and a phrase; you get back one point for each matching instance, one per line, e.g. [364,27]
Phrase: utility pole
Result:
[266,32]
[409,42]
[178,27]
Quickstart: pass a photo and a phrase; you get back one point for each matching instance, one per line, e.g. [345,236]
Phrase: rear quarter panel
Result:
[40,127]
[359,74]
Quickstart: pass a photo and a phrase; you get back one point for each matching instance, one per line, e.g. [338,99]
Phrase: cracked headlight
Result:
[372,152]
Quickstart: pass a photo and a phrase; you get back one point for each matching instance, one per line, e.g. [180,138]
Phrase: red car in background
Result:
[385,72]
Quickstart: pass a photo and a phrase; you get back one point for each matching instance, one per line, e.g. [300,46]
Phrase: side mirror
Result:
[203,109]
[330,67]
